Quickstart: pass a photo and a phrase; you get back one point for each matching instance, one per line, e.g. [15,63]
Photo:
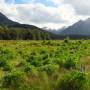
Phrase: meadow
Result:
[45,65]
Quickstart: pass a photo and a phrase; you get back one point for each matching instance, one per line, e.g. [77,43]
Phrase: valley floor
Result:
[45,65]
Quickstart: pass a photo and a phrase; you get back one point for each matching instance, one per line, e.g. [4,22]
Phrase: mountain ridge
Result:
[79,28]
[6,21]
[11,30]
[14,30]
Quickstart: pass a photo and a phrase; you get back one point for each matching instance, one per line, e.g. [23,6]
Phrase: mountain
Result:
[5,21]
[13,30]
[79,28]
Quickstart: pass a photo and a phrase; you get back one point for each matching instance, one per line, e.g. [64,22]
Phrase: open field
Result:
[45,65]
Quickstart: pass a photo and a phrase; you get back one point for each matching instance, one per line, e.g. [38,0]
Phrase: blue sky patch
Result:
[45,2]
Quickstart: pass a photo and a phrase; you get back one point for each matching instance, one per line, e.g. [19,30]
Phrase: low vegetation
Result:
[45,65]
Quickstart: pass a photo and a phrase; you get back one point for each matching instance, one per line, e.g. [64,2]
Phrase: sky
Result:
[46,13]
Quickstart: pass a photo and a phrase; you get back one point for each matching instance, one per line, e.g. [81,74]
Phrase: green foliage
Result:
[50,69]
[66,40]
[73,81]
[13,80]
[23,32]
[6,54]
[30,69]
[37,65]
[71,62]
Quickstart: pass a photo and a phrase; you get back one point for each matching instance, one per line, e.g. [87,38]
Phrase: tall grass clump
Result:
[73,81]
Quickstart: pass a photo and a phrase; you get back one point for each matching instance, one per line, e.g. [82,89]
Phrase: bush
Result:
[2,63]
[7,67]
[66,40]
[70,63]
[30,69]
[13,80]
[35,60]
[6,54]
[50,69]
[73,81]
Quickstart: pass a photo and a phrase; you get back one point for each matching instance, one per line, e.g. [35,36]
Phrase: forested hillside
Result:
[20,33]
[10,30]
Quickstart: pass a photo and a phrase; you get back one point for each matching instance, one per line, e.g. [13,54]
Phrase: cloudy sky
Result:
[46,13]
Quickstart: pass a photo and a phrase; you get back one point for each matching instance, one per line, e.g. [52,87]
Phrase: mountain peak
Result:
[5,21]
[2,16]
[79,28]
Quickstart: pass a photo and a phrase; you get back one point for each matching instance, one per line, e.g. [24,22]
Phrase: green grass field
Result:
[45,65]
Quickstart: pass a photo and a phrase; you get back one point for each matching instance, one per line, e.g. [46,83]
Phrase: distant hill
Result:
[79,28]
[11,30]
[14,30]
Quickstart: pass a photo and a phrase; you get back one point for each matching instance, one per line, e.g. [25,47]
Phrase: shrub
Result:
[35,60]
[73,81]
[13,80]
[58,61]
[66,40]
[6,54]
[45,56]
[71,62]
[30,69]
[7,67]
[2,63]
[50,69]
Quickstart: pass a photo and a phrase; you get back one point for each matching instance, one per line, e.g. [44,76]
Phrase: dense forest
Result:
[26,33]
[13,30]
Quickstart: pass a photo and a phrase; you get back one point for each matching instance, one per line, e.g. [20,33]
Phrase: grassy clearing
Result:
[44,65]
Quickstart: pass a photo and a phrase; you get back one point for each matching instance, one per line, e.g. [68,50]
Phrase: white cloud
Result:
[39,13]
[2,1]
[63,13]
[81,6]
